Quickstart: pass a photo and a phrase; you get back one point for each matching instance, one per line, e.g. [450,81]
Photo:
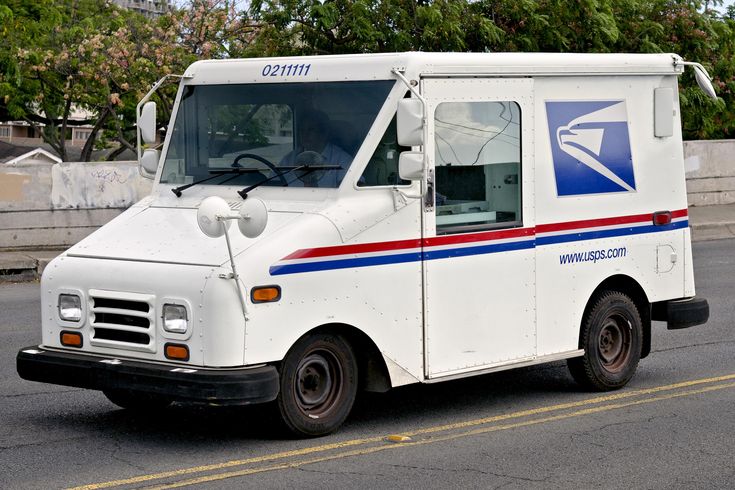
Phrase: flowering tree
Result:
[92,56]
[211,29]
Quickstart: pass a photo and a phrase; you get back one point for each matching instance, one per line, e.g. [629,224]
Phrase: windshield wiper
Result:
[216,173]
[308,169]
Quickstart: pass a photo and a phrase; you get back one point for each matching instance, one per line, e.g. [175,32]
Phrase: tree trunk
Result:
[89,144]
[116,153]
[64,119]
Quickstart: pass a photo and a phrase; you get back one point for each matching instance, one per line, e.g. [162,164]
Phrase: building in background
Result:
[149,8]
[23,134]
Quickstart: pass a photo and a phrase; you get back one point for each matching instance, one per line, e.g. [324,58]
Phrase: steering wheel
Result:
[262,160]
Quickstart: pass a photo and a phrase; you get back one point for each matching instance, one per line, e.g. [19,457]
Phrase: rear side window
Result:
[477,166]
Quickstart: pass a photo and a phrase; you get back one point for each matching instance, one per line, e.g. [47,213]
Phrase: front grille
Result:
[122,320]
[121,336]
[121,304]
[118,319]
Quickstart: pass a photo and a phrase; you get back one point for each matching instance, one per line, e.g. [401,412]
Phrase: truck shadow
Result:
[398,410]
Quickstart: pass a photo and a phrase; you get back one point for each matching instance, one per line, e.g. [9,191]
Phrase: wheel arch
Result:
[627,285]
[372,370]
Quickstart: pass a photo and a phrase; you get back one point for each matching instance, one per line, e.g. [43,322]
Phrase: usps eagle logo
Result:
[590,147]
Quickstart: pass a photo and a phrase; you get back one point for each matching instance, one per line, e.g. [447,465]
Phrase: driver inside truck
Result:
[315,147]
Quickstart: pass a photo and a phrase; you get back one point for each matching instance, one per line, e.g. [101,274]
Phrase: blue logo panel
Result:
[590,147]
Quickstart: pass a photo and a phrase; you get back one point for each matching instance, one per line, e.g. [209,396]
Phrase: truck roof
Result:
[379,66]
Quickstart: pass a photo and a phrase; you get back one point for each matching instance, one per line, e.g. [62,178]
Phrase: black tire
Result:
[137,400]
[318,385]
[612,336]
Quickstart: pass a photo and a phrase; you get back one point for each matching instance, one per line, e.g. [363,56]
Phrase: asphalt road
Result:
[671,427]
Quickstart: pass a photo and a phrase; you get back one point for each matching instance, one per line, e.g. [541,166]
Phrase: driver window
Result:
[477,166]
[382,169]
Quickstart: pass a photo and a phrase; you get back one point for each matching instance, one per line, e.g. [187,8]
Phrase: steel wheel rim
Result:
[318,383]
[613,343]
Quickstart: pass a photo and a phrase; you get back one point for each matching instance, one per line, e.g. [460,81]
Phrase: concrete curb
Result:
[706,232]
[25,266]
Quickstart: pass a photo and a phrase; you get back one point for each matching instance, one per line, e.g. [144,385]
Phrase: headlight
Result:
[174,318]
[70,307]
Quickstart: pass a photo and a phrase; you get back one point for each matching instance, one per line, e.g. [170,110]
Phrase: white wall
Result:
[710,172]
[45,205]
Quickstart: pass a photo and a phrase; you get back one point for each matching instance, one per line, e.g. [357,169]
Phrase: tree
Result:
[80,55]
[299,27]
[687,27]
[91,55]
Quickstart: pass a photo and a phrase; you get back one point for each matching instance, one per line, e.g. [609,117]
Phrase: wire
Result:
[478,135]
[451,148]
[482,148]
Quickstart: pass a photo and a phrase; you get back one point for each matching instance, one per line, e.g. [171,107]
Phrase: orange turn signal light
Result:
[176,352]
[71,339]
[265,294]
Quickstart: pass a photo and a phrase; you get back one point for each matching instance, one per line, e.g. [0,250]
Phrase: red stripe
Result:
[592,223]
[478,237]
[471,237]
[406,244]
[353,249]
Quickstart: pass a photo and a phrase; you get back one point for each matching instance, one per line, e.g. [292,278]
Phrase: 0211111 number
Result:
[290,70]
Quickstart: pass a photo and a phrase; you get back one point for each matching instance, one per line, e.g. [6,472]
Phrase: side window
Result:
[477,166]
[383,166]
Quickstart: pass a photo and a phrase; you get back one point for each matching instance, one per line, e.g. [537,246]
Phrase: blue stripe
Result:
[351,263]
[326,265]
[478,250]
[278,270]
[592,235]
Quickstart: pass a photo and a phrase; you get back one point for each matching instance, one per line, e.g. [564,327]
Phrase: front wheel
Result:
[318,385]
[612,336]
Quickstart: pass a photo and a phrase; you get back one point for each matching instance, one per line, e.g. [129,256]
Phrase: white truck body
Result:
[544,175]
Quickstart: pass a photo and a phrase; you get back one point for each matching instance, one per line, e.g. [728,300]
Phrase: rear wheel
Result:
[318,385]
[612,336]
[137,400]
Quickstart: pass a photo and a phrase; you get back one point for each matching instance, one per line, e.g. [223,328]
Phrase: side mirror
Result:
[147,123]
[411,165]
[410,122]
[149,161]
[703,80]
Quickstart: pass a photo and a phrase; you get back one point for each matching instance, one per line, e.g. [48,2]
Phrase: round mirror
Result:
[253,217]
[207,214]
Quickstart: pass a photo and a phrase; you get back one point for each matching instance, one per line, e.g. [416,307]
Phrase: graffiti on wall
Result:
[84,185]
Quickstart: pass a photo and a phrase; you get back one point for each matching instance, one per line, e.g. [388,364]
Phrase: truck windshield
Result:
[267,126]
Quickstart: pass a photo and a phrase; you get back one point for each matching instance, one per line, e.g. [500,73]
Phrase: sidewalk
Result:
[712,222]
[706,222]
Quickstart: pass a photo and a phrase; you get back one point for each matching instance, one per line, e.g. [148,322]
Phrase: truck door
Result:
[479,258]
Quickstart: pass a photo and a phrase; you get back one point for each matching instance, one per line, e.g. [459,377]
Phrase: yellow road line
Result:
[563,406]
[484,430]
[427,430]
[228,464]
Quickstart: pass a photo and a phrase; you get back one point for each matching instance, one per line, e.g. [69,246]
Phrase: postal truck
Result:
[320,225]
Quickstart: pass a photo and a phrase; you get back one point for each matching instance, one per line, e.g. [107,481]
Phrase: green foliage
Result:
[686,27]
